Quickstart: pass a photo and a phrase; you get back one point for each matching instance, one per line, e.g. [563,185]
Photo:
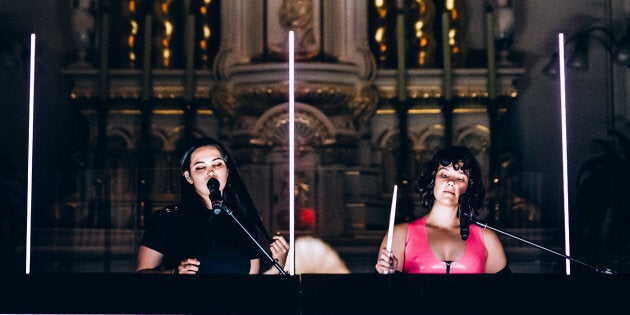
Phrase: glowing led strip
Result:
[291,153]
[29,189]
[565,186]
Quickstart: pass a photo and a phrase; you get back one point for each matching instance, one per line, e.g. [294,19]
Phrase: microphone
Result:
[465,213]
[215,195]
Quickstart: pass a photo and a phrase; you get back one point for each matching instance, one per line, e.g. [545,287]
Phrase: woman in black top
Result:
[189,238]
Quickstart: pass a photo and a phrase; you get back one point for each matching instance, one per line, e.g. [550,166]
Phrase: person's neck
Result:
[442,216]
[206,202]
[200,202]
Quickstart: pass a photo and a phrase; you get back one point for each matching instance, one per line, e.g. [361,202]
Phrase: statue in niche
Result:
[300,17]
[83,26]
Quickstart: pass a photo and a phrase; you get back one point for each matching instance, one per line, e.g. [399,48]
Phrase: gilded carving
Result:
[131,32]
[422,45]
[456,10]
[205,32]
[163,37]
[312,127]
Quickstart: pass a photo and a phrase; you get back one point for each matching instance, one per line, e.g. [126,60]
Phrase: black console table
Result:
[313,294]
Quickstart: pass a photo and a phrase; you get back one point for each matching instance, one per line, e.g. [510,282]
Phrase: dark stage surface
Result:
[313,294]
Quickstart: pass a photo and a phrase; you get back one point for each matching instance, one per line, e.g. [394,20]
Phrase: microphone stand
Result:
[231,214]
[597,269]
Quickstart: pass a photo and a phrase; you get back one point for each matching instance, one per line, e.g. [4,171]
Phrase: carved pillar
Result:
[345,34]
[243,25]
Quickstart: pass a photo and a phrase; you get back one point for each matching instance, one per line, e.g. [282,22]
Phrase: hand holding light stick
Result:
[390,231]
[392,216]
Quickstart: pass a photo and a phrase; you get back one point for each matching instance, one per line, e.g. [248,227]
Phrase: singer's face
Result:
[449,185]
[205,163]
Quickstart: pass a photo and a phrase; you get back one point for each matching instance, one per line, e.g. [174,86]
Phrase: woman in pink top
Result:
[437,242]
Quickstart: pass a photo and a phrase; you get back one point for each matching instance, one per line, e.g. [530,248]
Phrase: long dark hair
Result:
[452,155]
[235,196]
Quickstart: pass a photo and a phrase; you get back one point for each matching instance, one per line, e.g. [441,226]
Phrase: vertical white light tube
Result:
[392,219]
[565,185]
[29,187]
[291,153]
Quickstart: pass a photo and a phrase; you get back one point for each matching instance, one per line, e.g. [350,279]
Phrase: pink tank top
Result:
[420,259]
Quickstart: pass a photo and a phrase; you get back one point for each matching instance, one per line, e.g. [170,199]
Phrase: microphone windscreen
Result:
[213,187]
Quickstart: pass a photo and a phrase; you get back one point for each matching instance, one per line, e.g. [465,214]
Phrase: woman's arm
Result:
[254,266]
[387,263]
[149,261]
[496,260]
[279,251]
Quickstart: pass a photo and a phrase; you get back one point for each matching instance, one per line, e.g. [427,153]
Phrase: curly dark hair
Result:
[457,156]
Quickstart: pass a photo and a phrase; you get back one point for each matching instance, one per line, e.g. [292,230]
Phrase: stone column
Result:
[242,31]
[345,34]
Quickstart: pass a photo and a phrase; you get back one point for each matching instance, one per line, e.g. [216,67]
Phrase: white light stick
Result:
[291,153]
[565,185]
[29,187]
[392,216]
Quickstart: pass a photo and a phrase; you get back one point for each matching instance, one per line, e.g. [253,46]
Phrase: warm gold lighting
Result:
[203,42]
[455,10]
[449,4]
[164,32]
[423,45]
[130,38]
